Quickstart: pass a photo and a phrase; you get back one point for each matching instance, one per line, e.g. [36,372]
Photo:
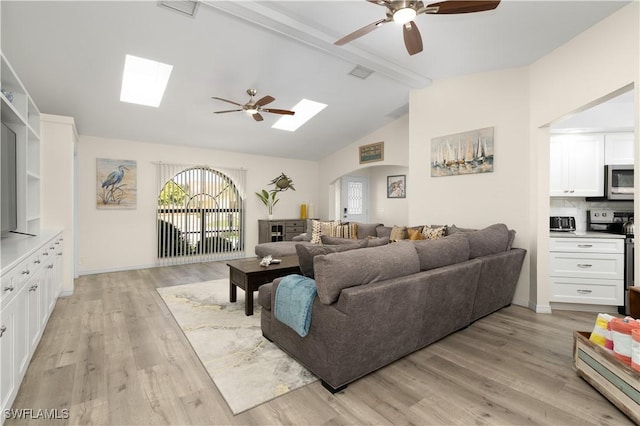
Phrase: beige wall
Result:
[125,239]
[395,136]
[583,72]
[495,99]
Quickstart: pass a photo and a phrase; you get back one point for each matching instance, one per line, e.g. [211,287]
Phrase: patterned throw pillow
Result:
[398,233]
[319,228]
[345,230]
[429,233]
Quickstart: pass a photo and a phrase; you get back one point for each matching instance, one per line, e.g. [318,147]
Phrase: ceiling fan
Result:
[254,108]
[403,12]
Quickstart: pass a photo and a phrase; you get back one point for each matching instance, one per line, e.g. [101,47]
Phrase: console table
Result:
[280,230]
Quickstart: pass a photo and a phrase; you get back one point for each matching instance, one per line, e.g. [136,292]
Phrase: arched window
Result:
[200,217]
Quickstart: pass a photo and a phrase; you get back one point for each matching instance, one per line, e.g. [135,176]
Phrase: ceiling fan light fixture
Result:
[251,111]
[404,15]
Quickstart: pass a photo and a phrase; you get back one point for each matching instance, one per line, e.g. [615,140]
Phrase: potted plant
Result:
[269,199]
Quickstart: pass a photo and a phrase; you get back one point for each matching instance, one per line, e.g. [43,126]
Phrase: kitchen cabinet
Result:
[587,270]
[576,165]
[618,148]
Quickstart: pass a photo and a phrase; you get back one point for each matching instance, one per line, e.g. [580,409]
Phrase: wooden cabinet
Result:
[31,283]
[585,270]
[280,230]
[20,114]
[577,165]
[619,149]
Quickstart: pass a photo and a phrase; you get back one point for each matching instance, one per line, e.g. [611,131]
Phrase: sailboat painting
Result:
[462,153]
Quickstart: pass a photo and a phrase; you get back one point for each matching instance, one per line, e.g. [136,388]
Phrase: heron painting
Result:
[116,185]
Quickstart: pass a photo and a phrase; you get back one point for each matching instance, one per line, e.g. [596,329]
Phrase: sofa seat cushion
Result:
[307,252]
[337,271]
[442,252]
[490,240]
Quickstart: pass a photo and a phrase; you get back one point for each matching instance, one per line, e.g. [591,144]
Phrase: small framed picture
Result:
[397,186]
[372,152]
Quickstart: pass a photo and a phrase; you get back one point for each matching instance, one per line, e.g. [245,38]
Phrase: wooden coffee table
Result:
[249,276]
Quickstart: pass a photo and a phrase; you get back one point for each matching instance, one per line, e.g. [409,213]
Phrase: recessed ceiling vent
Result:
[361,72]
[186,7]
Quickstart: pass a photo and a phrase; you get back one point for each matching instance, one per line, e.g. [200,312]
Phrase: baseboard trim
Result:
[117,269]
[66,293]
[540,309]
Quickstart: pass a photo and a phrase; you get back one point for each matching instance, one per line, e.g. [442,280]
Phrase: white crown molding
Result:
[261,14]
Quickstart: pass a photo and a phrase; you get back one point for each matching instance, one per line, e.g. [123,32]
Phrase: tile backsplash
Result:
[578,207]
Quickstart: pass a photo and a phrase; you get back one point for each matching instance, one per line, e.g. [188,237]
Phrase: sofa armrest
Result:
[300,237]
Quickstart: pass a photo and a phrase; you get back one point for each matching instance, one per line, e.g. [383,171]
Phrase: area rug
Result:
[247,369]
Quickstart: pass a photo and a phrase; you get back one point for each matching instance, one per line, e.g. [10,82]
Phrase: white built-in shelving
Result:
[22,116]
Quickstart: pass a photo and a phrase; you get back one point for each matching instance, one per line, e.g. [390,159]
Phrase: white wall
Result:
[395,136]
[57,149]
[495,99]
[588,69]
[125,239]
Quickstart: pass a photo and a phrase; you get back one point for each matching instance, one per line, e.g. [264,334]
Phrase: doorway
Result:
[354,200]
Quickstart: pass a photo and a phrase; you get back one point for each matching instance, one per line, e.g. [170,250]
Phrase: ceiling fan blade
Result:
[257,116]
[229,110]
[264,101]
[278,111]
[226,100]
[362,31]
[451,7]
[412,38]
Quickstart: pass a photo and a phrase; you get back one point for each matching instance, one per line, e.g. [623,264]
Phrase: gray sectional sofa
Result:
[375,305]
[288,248]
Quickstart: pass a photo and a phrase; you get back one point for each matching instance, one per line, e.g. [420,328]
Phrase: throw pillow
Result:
[429,233]
[319,228]
[415,233]
[345,230]
[307,252]
[398,233]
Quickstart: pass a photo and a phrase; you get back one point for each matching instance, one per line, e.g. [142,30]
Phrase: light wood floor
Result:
[113,354]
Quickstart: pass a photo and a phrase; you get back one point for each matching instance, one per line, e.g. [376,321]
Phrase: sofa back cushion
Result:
[366,230]
[337,271]
[442,252]
[490,240]
[306,253]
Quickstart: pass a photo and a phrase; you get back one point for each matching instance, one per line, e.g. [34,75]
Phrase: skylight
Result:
[144,81]
[304,111]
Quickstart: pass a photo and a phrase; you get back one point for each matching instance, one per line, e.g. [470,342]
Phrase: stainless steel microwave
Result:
[619,182]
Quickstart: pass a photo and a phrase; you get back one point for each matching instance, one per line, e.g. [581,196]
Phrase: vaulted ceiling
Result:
[70,55]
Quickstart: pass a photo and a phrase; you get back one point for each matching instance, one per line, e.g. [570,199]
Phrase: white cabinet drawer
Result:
[587,265]
[582,290]
[587,245]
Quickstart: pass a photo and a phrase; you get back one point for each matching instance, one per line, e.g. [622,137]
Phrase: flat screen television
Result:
[8,181]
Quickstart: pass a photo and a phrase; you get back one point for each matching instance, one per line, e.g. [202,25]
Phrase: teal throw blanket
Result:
[294,300]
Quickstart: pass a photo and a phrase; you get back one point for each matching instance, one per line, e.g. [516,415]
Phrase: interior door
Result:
[355,199]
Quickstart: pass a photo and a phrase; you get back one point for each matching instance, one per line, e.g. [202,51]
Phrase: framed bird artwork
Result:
[116,184]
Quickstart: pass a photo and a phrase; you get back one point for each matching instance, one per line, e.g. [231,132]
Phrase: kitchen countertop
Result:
[585,235]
